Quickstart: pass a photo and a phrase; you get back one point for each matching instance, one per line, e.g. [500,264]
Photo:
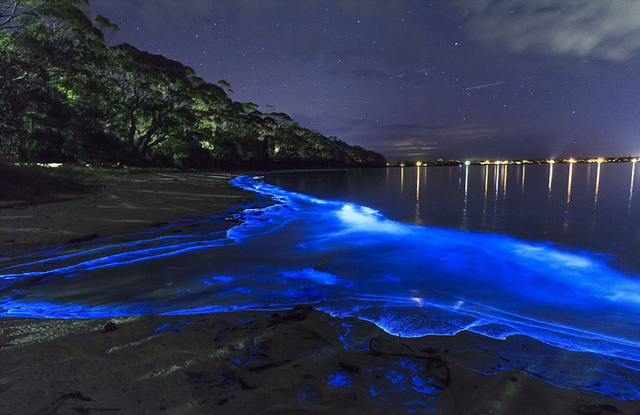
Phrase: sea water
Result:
[547,252]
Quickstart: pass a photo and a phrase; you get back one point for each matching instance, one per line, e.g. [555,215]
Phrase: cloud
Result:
[399,141]
[438,133]
[608,29]
[409,148]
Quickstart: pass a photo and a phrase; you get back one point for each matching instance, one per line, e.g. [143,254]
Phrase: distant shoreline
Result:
[474,162]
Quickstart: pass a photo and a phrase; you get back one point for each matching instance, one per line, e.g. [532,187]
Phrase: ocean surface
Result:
[548,252]
[580,206]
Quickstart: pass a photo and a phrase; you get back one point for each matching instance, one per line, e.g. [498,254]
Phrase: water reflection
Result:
[486,192]
[465,218]
[494,217]
[504,184]
[497,172]
[550,176]
[486,182]
[565,224]
[633,176]
[388,182]
[569,185]
[595,202]
[466,184]
[418,216]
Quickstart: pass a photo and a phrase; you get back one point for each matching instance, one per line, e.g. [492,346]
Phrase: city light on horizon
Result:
[471,162]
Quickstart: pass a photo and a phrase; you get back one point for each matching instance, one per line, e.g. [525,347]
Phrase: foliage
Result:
[66,95]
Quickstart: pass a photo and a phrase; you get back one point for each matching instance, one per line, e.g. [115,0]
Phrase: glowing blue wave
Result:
[352,262]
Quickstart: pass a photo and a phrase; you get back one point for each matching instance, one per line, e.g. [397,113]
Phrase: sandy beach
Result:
[299,361]
[125,202]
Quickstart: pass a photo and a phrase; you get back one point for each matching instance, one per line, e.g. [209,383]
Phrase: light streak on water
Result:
[486,182]
[418,216]
[497,184]
[466,185]
[495,200]
[570,182]
[633,176]
[504,184]
[388,182]
[418,184]
[565,223]
[486,192]
[465,220]
[595,201]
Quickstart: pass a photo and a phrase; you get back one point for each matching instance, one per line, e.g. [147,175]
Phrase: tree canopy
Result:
[66,95]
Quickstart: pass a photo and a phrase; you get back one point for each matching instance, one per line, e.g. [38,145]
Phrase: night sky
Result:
[417,79]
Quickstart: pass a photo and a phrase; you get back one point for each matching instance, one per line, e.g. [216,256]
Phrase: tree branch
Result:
[11,15]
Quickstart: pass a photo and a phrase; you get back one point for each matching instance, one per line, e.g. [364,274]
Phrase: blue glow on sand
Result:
[394,376]
[351,261]
[340,380]
[410,365]
[214,280]
[421,386]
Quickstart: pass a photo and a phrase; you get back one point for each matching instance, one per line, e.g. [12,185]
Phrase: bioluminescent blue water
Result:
[352,261]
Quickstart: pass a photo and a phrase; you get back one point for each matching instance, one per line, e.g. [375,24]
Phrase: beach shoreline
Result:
[125,203]
[292,361]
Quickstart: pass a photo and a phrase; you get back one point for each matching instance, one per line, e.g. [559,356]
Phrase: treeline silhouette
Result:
[66,95]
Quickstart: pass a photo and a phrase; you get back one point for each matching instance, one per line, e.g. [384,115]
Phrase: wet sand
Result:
[299,361]
[127,202]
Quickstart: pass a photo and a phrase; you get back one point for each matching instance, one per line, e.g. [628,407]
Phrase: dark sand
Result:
[290,362]
[128,202]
